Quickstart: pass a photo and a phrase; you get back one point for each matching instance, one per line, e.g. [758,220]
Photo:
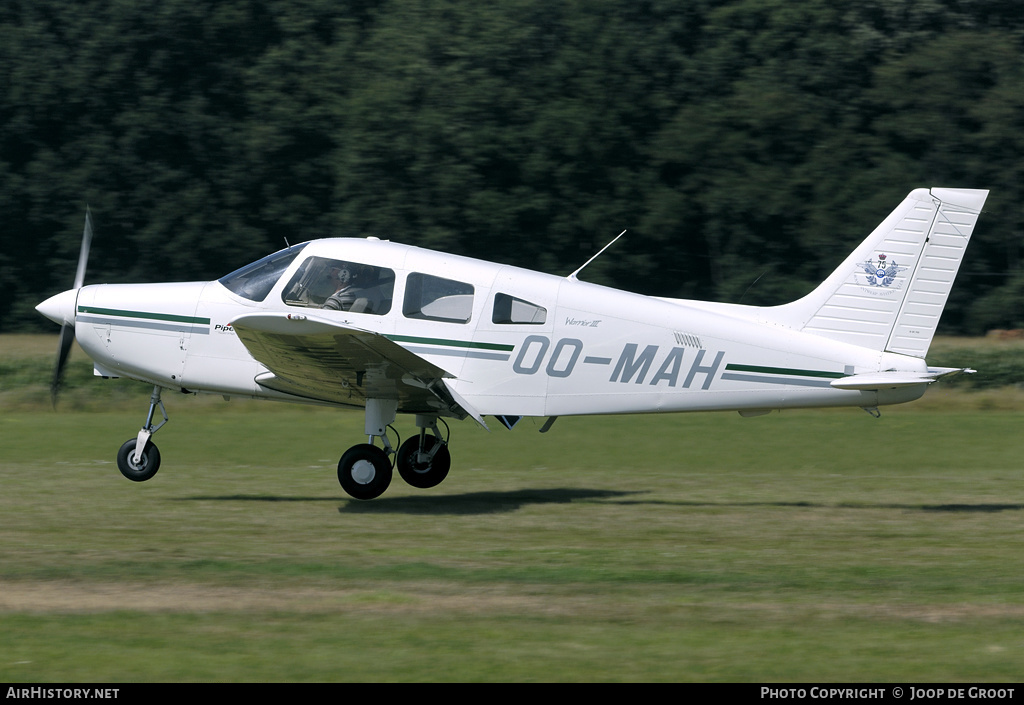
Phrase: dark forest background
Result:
[739,141]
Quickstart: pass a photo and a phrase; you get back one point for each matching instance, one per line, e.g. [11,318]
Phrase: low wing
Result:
[332,362]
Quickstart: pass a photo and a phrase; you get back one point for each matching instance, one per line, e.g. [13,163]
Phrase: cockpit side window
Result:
[510,310]
[431,298]
[340,285]
[254,281]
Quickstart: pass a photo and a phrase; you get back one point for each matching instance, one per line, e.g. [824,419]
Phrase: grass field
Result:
[802,546]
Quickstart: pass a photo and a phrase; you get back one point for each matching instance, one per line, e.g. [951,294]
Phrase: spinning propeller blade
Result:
[83,255]
[67,336]
[67,328]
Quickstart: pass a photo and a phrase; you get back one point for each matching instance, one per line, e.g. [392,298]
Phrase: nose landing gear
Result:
[139,459]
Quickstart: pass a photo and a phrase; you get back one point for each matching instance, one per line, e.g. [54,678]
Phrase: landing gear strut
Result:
[139,459]
[364,471]
[423,461]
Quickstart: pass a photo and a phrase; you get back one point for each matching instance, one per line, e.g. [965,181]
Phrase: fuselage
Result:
[514,341]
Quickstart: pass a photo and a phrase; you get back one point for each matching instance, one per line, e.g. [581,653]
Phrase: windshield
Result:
[254,281]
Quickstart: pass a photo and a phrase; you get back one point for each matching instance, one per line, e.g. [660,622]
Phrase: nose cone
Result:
[60,308]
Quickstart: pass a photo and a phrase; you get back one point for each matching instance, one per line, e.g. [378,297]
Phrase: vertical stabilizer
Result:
[889,293]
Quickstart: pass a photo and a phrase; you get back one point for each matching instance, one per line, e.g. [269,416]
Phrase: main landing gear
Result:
[365,470]
[139,459]
[423,461]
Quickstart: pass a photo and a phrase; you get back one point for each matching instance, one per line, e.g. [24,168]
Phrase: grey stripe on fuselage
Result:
[148,325]
[457,353]
[733,377]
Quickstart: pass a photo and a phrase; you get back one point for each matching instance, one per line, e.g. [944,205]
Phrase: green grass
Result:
[802,546]
[793,547]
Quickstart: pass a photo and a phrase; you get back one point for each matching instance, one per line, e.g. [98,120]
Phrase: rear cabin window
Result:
[340,285]
[510,310]
[431,298]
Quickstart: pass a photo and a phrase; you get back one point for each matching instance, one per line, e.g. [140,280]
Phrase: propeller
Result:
[67,328]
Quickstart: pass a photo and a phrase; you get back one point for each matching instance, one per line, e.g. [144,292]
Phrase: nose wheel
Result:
[138,470]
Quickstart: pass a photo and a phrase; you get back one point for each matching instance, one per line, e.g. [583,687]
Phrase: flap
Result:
[333,362]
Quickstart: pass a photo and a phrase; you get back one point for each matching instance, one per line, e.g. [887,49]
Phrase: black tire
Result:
[364,471]
[147,466]
[423,475]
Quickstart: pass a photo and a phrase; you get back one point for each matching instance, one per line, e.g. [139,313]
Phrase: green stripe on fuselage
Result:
[144,314]
[450,343]
[784,371]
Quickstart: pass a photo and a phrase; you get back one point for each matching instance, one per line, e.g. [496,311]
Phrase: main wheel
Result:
[147,466]
[364,471]
[419,474]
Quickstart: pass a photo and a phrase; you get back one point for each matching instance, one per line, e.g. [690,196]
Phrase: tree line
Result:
[746,145]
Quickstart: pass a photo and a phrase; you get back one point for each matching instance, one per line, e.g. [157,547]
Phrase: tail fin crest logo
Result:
[882,273]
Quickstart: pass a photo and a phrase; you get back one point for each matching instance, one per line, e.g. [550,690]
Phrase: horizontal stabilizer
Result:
[892,380]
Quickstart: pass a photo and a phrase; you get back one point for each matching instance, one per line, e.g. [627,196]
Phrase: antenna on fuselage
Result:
[573,275]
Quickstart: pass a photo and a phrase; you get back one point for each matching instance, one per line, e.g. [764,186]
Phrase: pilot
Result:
[343,278]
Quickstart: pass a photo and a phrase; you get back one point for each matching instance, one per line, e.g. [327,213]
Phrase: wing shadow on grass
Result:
[476,502]
[965,508]
[467,503]
[496,502]
[960,507]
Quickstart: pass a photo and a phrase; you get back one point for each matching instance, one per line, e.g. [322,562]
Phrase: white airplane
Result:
[389,328]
